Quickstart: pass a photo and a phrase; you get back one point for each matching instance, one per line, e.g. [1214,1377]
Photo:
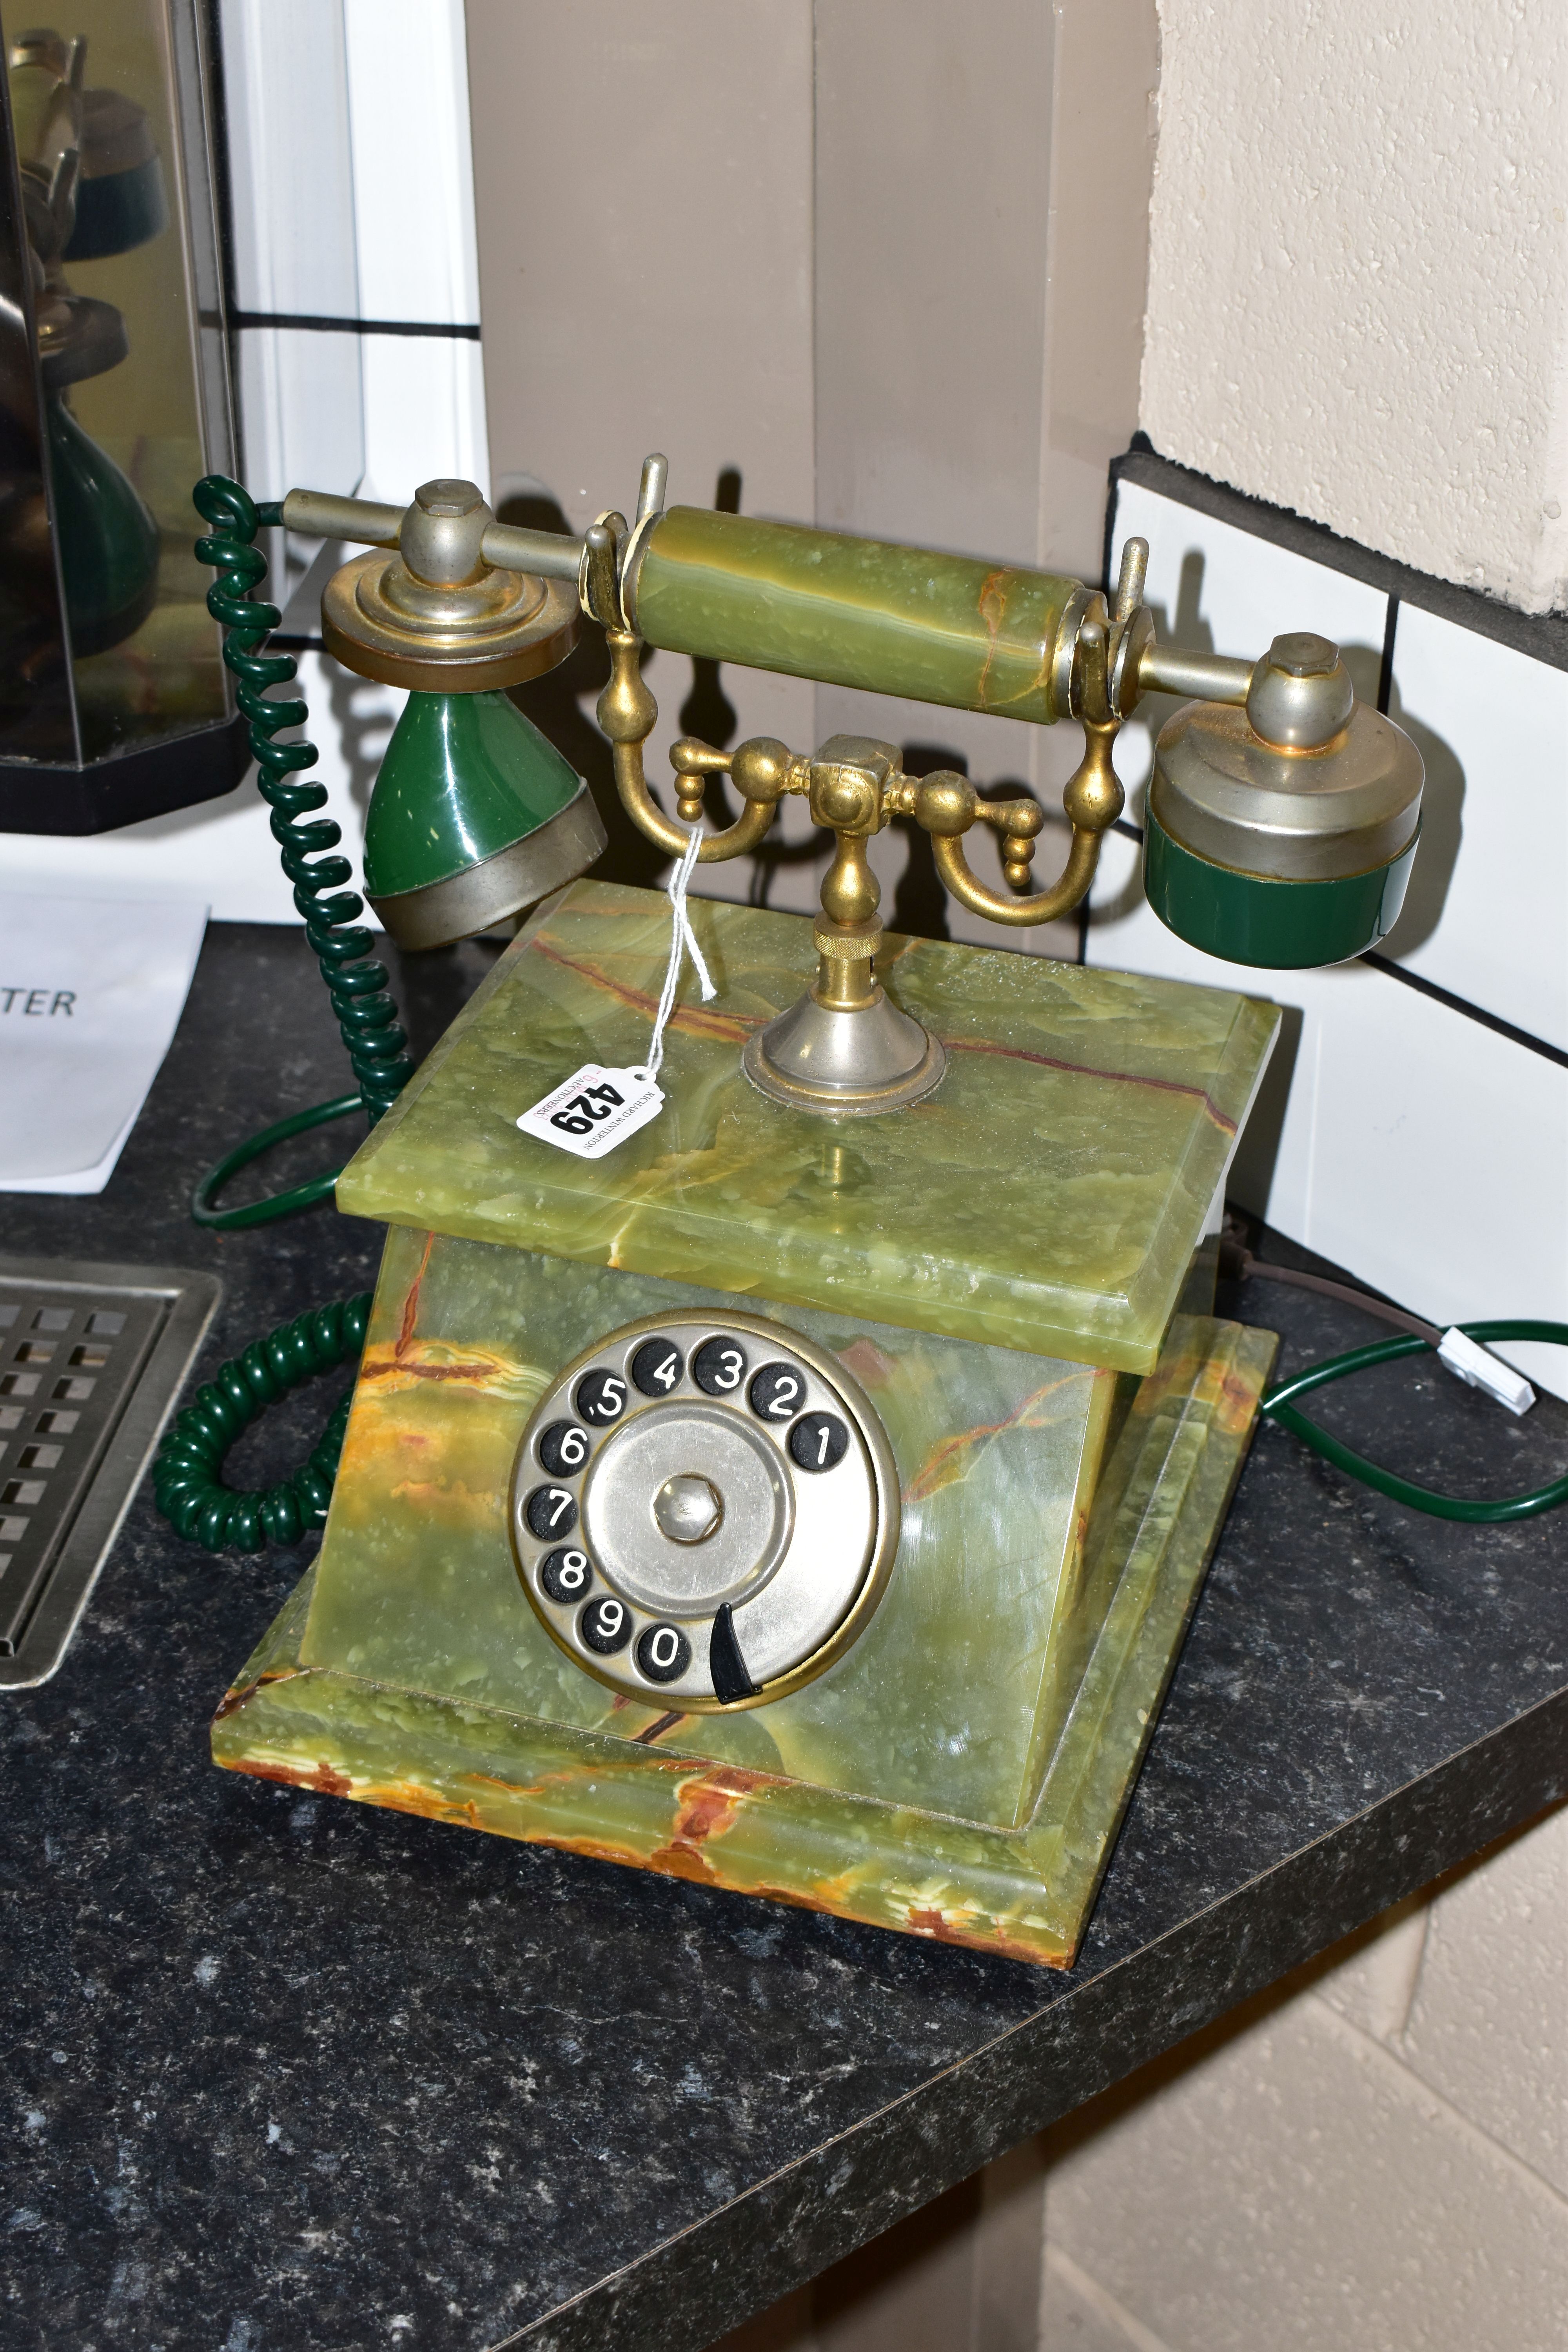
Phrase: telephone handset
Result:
[807,1494]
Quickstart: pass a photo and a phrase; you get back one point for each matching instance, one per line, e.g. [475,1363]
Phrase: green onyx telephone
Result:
[786,1454]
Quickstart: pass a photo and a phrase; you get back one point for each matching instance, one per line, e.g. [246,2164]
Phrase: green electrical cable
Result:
[276,1204]
[1278,1407]
[367,1017]
[187,1482]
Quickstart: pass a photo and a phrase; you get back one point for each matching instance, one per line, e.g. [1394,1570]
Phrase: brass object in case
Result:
[114,702]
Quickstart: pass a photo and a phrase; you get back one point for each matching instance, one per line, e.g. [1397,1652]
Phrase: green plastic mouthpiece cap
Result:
[1282,835]
[475,816]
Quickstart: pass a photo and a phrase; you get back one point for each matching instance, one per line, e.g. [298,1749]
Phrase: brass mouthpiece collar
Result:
[435,613]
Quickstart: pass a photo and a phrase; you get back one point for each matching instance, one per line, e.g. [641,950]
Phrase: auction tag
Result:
[593,1109]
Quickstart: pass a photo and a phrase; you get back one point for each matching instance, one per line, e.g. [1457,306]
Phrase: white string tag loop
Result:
[597,1107]
[682,941]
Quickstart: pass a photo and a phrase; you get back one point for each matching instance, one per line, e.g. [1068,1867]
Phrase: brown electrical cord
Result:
[1236,1264]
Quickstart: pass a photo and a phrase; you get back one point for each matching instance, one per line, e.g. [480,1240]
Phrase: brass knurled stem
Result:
[846,953]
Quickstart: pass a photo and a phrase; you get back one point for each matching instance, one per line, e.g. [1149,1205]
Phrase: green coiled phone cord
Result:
[186,1481]
[367,1017]
[1278,1407]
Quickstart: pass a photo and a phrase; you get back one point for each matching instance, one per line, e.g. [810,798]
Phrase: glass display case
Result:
[115,398]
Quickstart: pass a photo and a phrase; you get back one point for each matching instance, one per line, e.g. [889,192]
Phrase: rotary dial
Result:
[704,1512]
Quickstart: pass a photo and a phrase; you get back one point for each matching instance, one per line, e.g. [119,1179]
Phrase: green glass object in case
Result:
[464,777]
[855,612]
[108,539]
[1263,920]
[119,211]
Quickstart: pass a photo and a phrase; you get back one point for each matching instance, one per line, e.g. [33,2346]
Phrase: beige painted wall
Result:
[881,259]
[978,324]
[643,191]
[1358,291]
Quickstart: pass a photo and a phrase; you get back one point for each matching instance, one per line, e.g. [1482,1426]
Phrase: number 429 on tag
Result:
[593,1109]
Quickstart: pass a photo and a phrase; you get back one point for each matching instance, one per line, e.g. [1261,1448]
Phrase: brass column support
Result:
[844,1045]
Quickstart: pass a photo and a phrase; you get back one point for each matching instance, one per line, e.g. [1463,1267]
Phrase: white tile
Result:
[224,847]
[1485,913]
[406,62]
[1442,1149]
[1296,2188]
[424,413]
[1489,2025]
[289,157]
[1439,1160]
[302,410]
[1414,1145]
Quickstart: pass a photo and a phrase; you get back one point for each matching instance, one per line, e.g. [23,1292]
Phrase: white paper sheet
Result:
[91,990]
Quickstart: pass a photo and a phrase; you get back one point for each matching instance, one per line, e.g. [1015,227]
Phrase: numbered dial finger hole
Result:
[719,1367]
[605,1625]
[602,1397]
[704,1515]
[549,1512]
[777,1392]
[565,1575]
[564,1449]
[657,1368]
[818,1440]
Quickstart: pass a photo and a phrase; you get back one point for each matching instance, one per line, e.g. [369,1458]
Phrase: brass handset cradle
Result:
[845,1047]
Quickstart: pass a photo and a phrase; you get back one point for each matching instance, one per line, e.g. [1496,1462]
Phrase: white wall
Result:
[1358,285]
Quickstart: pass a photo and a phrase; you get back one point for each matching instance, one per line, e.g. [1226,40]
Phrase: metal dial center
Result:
[688,1508]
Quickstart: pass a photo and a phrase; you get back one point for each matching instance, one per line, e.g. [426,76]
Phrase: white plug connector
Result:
[1480,1369]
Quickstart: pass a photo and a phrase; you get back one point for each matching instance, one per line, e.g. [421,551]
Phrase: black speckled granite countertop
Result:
[284,2074]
